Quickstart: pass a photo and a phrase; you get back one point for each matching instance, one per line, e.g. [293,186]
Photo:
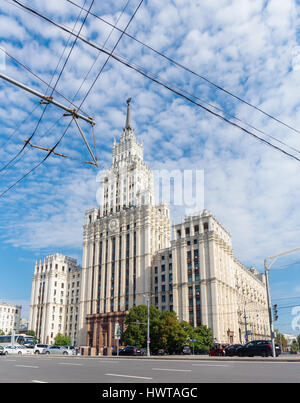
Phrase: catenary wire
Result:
[49,153]
[191,71]
[28,140]
[126,63]
[53,89]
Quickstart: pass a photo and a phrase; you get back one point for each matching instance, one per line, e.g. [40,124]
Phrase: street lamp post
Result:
[148,326]
[267,268]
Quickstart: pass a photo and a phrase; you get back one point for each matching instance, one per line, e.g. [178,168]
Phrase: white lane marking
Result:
[129,376]
[10,360]
[27,366]
[170,369]
[68,363]
[210,365]
[36,381]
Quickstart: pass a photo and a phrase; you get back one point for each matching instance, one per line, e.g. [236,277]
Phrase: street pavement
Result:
[190,369]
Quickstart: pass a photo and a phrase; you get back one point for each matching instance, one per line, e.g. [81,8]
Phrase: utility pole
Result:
[148,326]
[267,268]
[246,331]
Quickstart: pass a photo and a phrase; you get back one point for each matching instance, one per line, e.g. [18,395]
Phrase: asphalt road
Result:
[58,369]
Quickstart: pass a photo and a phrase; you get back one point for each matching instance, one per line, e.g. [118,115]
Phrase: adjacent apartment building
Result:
[9,317]
[130,253]
[55,297]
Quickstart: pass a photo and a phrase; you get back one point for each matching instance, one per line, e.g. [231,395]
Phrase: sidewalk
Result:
[281,358]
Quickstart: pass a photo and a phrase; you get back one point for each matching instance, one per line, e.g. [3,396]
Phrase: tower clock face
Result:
[113,225]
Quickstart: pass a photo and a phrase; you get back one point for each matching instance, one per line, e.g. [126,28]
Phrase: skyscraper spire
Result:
[128,117]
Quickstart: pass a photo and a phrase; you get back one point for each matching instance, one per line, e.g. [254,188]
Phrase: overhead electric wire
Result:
[53,89]
[52,150]
[111,53]
[40,163]
[28,140]
[39,78]
[107,39]
[191,71]
[19,125]
[126,63]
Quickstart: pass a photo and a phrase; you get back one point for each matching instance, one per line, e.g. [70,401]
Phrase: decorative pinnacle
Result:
[128,118]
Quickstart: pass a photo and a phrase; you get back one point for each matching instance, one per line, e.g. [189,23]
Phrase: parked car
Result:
[72,349]
[186,350]
[161,351]
[258,347]
[38,348]
[17,349]
[218,350]
[60,350]
[115,352]
[143,351]
[2,350]
[232,350]
[130,350]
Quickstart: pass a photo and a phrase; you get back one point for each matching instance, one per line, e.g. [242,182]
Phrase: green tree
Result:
[136,326]
[294,347]
[172,334]
[1,332]
[62,340]
[281,340]
[202,334]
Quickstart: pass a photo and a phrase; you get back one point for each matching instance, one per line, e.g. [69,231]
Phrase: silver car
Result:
[59,350]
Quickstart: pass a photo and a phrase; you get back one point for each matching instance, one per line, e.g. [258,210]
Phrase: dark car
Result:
[161,351]
[258,347]
[115,352]
[131,350]
[186,350]
[232,350]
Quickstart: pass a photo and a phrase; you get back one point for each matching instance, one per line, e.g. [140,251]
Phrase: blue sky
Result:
[250,48]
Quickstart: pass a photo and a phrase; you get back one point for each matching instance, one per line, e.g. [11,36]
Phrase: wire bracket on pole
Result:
[54,152]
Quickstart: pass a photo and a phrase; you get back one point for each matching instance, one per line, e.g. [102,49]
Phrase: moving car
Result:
[17,349]
[38,348]
[2,350]
[258,347]
[60,350]
[130,350]
[232,350]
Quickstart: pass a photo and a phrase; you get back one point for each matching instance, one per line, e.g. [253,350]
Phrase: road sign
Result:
[117,331]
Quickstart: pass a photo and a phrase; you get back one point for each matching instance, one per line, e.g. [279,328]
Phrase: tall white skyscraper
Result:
[120,239]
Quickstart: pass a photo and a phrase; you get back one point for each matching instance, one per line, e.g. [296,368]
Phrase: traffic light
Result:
[275,312]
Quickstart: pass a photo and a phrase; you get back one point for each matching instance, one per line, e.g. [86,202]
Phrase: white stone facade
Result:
[9,317]
[55,298]
[199,278]
[128,254]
